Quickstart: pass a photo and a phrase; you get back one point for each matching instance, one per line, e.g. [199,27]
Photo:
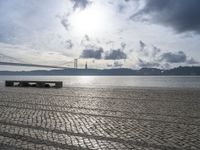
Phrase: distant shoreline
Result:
[94,75]
[179,71]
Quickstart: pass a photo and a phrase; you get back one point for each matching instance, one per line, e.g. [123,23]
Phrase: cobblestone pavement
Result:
[100,118]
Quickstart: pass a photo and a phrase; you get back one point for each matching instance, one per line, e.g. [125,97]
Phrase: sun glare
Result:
[89,21]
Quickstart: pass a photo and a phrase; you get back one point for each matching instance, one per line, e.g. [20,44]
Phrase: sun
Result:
[90,21]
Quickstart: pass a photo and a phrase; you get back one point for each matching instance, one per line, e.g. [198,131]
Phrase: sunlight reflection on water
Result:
[116,81]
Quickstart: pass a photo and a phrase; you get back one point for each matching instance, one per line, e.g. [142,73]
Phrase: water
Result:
[116,81]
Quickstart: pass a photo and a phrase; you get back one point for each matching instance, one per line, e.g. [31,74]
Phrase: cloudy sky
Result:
[103,33]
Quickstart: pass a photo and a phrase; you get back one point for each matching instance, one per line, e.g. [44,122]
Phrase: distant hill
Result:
[183,71]
[109,72]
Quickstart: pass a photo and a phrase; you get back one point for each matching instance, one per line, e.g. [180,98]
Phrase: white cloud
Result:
[45,32]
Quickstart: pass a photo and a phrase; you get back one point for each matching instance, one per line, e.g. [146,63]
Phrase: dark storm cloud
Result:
[68,44]
[144,49]
[110,42]
[182,15]
[156,51]
[117,64]
[80,4]
[142,45]
[87,38]
[65,23]
[131,0]
[115,55]
[178,57]
[154,57]
[92,53]
[192,61]
[123,45]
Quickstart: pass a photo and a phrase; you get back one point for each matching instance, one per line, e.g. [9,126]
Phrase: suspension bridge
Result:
[61,66]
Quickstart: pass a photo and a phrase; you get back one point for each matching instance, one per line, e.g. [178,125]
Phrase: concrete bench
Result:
[41,84]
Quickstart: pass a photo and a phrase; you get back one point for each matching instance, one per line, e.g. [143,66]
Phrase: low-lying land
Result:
[180,71]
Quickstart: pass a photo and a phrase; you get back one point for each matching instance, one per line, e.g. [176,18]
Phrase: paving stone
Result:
[99,118]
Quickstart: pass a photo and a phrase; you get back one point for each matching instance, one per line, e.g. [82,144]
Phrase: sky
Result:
[104,33]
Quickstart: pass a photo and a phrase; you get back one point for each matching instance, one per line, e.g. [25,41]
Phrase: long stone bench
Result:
[41,84]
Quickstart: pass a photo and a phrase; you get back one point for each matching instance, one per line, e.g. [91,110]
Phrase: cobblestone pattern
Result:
[85,118]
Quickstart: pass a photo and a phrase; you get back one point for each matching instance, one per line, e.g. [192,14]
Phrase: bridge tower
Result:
[86,66]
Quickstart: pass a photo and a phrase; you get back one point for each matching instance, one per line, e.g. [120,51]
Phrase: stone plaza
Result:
[100,118]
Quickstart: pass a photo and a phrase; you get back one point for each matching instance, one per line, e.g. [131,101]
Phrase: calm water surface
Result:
[116,81]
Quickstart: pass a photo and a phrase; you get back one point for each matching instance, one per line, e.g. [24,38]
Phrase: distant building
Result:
[75,63]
